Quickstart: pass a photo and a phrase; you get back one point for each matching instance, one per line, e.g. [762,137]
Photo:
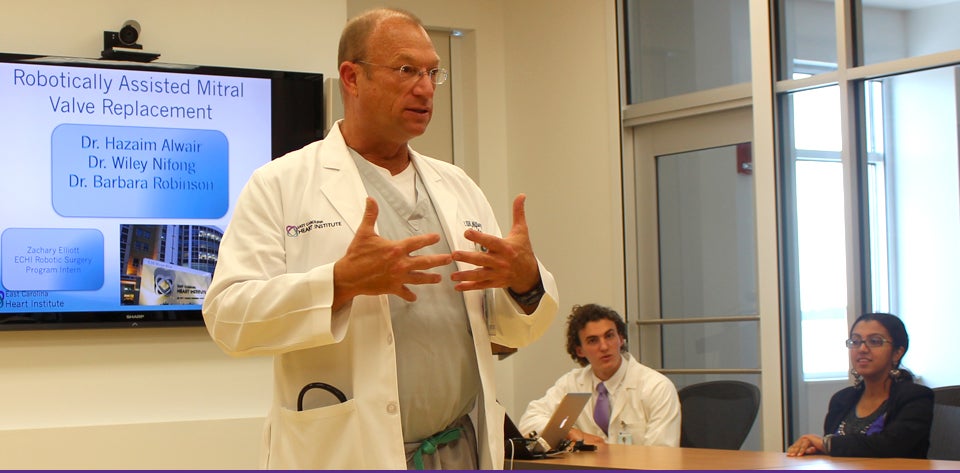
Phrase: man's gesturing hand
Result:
[507,262]
[374,265]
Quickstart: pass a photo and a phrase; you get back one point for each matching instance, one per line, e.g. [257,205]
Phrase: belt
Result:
[430,444]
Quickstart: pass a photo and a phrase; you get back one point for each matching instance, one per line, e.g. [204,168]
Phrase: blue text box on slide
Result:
[52,259]
[139,172]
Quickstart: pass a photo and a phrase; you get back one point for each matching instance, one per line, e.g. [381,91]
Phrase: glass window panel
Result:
[820,240]
[814,129]
[681,46]
[707,346]
[879,250]
[821,246]
[820,225]
[874,114]
[822,341]
[707,230]
[908,130]
[808,36]
[922,215]
[822,268]
[897,29]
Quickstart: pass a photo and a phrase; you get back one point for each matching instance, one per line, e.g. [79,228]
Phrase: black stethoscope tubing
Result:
[326,387]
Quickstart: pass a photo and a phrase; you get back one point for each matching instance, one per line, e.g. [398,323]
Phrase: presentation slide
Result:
[118,184]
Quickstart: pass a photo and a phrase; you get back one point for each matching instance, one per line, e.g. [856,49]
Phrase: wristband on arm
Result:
[531,297]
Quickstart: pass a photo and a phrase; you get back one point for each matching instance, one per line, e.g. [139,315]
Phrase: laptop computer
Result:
[553,435]
[515,445]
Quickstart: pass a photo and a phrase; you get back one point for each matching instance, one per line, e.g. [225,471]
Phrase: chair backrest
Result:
[717,414]
[944,442]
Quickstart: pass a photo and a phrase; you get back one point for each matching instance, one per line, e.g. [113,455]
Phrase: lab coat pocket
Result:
[628,429]
[325,437]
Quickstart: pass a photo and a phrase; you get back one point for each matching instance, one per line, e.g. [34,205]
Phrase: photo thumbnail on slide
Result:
[167,264]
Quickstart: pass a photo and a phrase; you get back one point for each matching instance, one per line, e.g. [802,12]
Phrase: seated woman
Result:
[885,414]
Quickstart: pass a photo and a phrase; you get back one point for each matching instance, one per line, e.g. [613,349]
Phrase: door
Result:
[692,259]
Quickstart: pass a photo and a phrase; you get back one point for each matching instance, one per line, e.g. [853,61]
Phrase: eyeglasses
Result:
[872,342]
[438,75]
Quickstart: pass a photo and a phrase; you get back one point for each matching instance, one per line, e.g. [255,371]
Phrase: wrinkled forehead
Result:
[400,39]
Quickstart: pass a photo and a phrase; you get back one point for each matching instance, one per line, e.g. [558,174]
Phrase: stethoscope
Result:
[326,387]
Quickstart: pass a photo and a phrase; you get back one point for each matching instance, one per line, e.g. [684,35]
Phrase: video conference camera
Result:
[122,45]
[129,33]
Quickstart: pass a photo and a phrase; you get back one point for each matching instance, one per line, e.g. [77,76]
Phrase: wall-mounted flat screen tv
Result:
[119,179]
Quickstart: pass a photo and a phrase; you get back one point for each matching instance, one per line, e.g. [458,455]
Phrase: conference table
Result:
[636,457]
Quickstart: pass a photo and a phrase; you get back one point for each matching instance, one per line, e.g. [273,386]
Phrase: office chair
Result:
[944,444]
[717,414]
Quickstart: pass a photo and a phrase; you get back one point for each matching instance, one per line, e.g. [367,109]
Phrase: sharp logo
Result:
[135,316]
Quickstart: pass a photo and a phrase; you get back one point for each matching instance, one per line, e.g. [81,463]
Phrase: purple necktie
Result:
[601,411]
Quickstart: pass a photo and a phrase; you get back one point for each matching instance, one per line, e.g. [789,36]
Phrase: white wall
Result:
[288,34]
[930,27]
[548,124]
[563,143]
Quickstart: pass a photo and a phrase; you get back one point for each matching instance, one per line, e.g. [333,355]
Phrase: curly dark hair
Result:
[583,314]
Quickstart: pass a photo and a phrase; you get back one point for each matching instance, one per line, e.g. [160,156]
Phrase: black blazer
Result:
[905,434]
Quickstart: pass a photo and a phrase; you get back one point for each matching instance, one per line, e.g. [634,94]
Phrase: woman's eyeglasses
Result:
[872,342]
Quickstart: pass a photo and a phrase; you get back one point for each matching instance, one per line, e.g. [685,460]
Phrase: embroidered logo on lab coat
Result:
[297,230]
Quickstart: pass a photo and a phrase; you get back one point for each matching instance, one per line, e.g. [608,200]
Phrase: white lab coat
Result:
[273,290]
[645,406]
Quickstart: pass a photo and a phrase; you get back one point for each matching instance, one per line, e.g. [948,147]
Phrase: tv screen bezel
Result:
[297,118]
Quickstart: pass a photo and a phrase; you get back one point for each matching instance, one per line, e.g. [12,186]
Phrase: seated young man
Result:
[630,403]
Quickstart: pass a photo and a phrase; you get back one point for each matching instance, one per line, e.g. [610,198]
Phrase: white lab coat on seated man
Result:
[646,406]
[273,290]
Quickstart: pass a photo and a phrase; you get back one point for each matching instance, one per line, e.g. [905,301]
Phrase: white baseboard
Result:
[198,444]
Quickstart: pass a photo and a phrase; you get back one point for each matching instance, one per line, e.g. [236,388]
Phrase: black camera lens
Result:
[129,33]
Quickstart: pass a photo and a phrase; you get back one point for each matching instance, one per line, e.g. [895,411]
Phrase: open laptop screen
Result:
[561,421]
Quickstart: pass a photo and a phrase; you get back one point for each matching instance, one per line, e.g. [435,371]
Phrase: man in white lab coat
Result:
[359,263]
[641,406]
